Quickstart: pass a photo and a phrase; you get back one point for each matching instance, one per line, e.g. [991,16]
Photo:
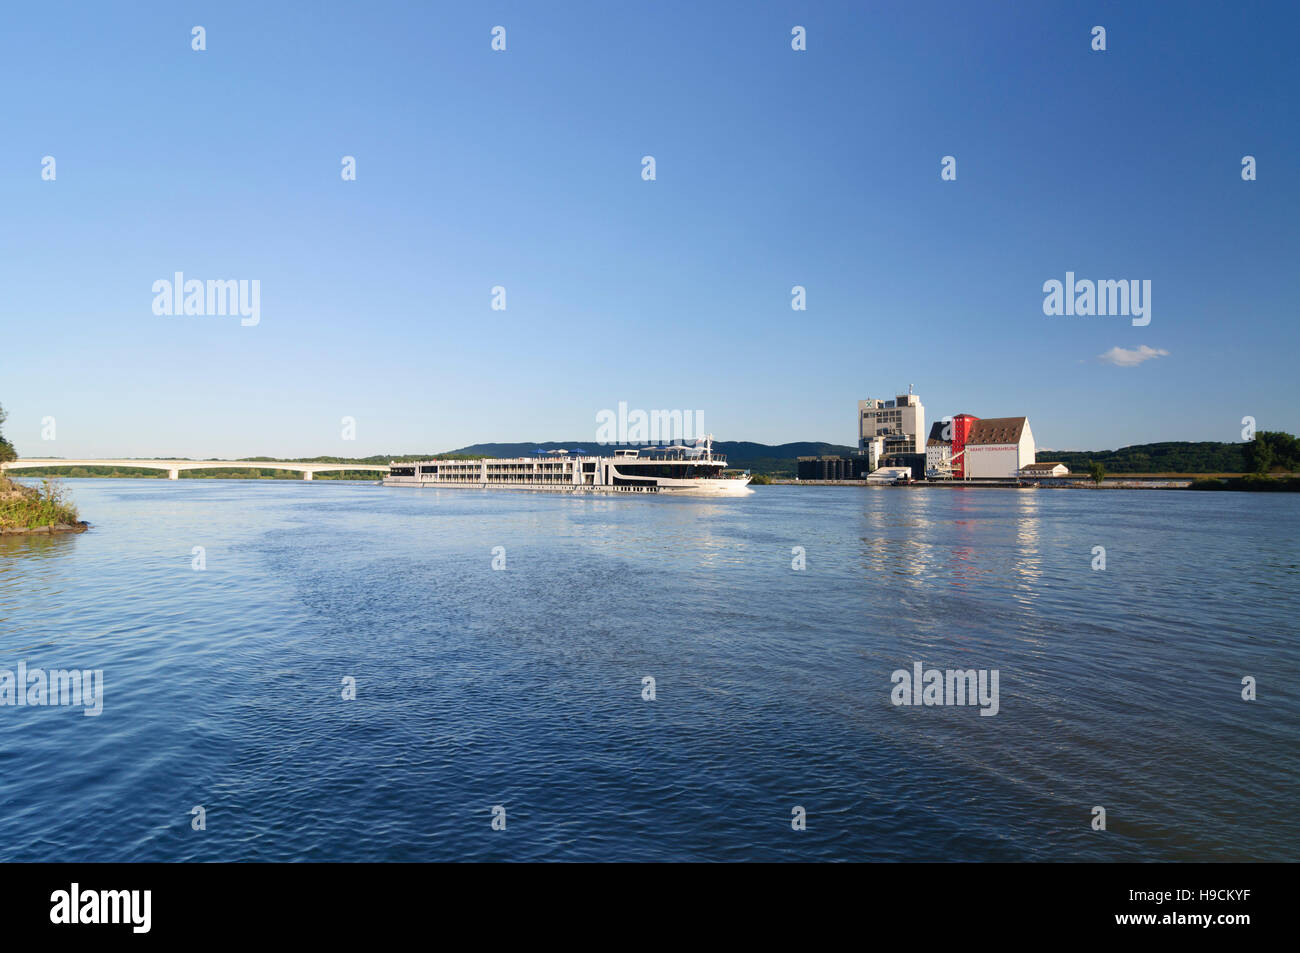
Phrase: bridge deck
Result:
[173,467]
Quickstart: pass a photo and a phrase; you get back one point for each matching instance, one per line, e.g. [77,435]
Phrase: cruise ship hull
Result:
[722,487]
[679,472]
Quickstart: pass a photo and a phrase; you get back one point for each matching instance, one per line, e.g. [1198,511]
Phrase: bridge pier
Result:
[174,473]
[306,474]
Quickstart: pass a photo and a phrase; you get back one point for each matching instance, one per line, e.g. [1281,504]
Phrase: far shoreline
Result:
[1280,483]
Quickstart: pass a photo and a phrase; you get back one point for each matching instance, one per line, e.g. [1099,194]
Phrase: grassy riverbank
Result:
[27,507]
[1284,483]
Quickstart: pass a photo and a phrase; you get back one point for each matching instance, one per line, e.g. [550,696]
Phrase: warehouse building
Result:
[998,448]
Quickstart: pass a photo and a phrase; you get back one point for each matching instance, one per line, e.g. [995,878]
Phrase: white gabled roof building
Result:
[999,448]
[1045,470]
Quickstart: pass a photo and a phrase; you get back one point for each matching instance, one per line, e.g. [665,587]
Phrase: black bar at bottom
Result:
[948,903]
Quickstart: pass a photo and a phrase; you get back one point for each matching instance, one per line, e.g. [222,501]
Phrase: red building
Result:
[961,425]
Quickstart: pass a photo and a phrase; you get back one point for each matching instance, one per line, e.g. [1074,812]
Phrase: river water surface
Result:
[523,687]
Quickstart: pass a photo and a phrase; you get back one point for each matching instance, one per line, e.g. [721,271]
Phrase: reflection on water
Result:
[33,545]
[941,539]
[523,686]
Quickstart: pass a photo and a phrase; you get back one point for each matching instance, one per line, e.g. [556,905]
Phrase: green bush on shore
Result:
[27,507]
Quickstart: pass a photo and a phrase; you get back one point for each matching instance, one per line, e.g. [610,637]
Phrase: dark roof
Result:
[997,430]
[1042,466]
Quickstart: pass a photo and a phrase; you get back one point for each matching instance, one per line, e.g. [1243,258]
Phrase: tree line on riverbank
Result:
[1268,462]
[1166,457]
[1271,460]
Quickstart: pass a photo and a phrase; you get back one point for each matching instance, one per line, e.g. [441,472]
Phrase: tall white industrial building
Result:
[899,424]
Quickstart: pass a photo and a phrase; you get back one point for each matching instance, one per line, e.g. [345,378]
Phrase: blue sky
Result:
[522,169]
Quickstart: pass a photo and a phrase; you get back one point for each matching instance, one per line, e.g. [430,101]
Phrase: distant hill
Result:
[1168,457]
[779,460]
[741,454]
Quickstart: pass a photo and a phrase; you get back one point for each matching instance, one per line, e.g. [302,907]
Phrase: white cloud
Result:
[1131,357]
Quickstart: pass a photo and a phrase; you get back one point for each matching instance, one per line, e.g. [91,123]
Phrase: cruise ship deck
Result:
[673,469]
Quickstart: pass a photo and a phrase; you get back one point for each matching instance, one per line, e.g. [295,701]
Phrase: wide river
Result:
[524,688]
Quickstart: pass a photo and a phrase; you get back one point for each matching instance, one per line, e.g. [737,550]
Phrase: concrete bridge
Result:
[174,467]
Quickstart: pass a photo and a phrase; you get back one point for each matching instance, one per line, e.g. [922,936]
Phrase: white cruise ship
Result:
[673,469]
